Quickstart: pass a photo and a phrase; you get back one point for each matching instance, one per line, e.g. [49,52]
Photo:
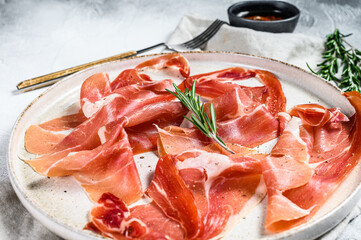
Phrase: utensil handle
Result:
[62,73]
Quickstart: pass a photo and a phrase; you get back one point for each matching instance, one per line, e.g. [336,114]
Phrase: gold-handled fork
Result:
[49,79]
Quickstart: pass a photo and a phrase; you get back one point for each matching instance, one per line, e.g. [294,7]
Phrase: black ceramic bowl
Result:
[287,13]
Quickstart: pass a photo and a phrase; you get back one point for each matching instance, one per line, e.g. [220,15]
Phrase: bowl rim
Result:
[233,14]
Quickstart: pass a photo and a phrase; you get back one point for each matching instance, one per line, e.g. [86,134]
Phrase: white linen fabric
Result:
[292,48]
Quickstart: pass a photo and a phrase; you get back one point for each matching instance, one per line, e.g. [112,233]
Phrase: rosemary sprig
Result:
[337,57]
[199,118]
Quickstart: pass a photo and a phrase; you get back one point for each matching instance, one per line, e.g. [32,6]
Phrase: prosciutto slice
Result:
[215,84]
[111,163]
[173,61]
[63,123]
[48,140]
[220,187]
[332,143]
[198,194]
[112,218]
[98,152]
[236,114]
[92,90]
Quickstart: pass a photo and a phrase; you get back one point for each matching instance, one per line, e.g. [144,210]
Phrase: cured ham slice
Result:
[332,143]
[215,84]
[236,114]
[108,167]
[170,61]
[135,76]
[166,111]
[174,140]
[142,125]
[326,131]
[42,138]
[48,140]
[97,87]
[98,151]
[212,85]
[112,218]
[129,77]
[144,137]
[63,123]
[201,194]
[286,168]
[223,189]
[243,131]
[85,136]
[92,90]
[111,163]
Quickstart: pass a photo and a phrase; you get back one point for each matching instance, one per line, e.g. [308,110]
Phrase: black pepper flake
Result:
[65,191]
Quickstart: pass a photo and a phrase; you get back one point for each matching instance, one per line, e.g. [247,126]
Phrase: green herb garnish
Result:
[337,57]
[199,118]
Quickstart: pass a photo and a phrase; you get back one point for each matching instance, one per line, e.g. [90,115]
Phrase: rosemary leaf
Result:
[199,118]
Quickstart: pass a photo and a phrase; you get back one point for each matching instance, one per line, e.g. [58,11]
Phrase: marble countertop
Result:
[38,37]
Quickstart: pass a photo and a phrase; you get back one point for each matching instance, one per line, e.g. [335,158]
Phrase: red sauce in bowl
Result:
[264,16]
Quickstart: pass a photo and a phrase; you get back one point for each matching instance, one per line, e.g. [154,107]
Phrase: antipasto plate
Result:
[63,206]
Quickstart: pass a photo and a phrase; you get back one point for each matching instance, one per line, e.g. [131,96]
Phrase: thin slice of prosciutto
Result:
[215,84]
[310,161]
[197,194]
[236,114]
[98,151]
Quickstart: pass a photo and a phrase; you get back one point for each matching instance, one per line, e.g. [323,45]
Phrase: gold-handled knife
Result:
[51,78]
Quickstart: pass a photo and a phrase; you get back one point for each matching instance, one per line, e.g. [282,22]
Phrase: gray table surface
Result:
[38,37]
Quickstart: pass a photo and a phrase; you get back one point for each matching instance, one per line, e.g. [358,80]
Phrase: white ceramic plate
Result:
[63,207]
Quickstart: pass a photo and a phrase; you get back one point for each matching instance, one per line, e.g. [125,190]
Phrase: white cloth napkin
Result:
[292,48]
[296,49]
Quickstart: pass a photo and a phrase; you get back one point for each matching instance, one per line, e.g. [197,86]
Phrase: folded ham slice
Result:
[298,181]
[98,152]
[236,114]
[112,218]
[48,140]
[196,195]
[67,122]
[215,84]
[174,61]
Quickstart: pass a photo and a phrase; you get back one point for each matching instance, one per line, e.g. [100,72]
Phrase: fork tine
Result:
[205,35]
[204,39]
[205,32]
